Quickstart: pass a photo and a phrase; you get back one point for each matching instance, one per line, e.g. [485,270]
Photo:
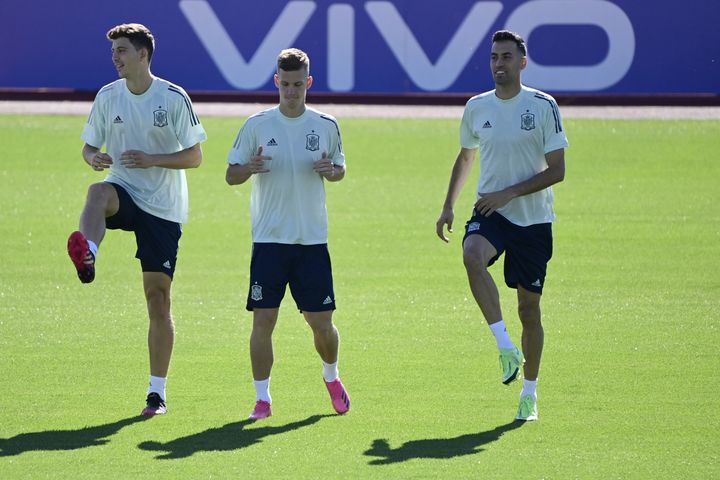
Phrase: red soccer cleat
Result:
[81,256]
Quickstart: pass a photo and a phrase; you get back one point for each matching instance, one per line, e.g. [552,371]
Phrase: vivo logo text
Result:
[455,57]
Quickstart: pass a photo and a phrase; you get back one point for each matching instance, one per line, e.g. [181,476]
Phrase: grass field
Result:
[631,304]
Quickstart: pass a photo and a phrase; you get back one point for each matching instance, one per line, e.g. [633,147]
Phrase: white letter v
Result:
[411,55]
[233,67]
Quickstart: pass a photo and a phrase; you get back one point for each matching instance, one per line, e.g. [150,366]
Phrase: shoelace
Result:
[154,400]
[526,404]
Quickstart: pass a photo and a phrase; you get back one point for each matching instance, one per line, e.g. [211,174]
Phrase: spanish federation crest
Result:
[312,142]
[256,292]
[527,121]
[160,118]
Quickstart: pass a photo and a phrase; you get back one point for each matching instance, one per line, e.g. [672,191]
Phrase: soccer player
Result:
[289,151]
[519,133]
[151,134]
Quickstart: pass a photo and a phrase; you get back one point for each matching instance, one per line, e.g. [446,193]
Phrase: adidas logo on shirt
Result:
[118,119]
[327,300]
[272,143]
[487,124]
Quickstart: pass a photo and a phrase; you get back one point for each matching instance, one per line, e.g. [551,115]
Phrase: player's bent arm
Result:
[188,158]
[461,169]
[556,165]
[458,177]
[555,173]
[237,174]
[88,153]
[97,160]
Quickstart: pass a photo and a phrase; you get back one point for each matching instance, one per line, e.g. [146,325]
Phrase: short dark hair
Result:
[138,34]
[293,59]
[507,35]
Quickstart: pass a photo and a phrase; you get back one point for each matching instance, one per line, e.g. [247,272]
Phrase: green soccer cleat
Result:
[527,411]
[510,361]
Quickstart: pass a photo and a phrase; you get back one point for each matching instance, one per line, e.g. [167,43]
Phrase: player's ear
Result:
[309,81]
[523,63]
[276,79]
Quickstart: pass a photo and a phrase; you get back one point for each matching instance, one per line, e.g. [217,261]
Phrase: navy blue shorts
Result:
[527,249]
[306,268]
[157,239]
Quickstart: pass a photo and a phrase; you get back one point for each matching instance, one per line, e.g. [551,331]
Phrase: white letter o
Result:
[606,15]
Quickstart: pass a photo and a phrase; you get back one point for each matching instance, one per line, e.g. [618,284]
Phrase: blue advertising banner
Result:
[397,47]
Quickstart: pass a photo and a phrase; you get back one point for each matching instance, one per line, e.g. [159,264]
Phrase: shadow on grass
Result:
[63,439]
[437,447]
[232,436]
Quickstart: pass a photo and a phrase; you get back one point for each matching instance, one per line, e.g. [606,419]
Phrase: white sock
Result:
[330,371]
[529,388]
[157,385]
[501,336]
[262,390]
[93,248]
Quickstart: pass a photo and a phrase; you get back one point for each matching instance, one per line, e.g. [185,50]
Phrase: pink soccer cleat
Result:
[262,410]
[154,406]
[81,256]
[339,397]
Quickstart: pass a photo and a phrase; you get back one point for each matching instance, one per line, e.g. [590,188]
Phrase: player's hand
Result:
[324,167]
[489,202]
[136,159]
[100,161]
[257,162]
[446,218]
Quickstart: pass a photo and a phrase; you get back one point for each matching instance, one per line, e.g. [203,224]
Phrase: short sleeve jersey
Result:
[287,204]
[159,121]
[513,137]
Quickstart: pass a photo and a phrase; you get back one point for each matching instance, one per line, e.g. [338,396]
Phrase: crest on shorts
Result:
[312,142]
[473,227]
[160,118]
[527,121]
[256,292]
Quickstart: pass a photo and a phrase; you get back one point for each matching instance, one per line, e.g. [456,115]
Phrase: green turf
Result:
[630,311]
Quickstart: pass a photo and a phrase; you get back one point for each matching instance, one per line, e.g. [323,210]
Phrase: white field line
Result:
[209,109]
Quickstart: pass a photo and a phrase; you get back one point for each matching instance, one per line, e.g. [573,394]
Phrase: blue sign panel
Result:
[399,46]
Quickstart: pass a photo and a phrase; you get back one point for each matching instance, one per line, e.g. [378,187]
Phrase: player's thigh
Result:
[311,279]
[479,252]
[269,274]
[319,321]
[264,319]
[157,288]
[527,257]
[158,242]
[125,214]
[104,195]
[483,241]
[528,299]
